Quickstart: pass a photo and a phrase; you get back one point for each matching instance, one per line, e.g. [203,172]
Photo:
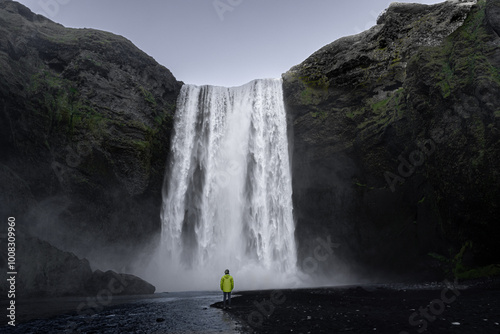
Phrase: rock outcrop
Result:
[46,271]
[87,119]
[117,284]
[397,140]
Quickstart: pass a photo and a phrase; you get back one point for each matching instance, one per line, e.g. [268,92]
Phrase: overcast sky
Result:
[221,42]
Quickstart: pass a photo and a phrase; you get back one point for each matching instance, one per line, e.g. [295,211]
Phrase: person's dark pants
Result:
[228,296]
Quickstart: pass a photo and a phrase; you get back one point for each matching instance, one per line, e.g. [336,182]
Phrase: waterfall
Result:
[227,196]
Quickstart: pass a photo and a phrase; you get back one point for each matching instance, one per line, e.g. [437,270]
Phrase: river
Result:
[176,312]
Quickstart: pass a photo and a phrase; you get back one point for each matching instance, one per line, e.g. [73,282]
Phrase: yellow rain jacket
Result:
[226,283]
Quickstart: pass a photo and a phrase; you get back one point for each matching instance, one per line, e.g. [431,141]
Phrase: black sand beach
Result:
[472,307]
[426,308]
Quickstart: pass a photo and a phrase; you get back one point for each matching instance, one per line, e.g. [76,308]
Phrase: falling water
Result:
[227,197]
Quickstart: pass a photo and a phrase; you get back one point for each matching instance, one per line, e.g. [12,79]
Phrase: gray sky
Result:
[221,42]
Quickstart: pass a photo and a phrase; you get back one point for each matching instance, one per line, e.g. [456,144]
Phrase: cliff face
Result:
[396,139]
[86,120]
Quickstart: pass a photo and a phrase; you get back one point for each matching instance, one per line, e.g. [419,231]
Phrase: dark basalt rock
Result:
[112,283]
[396,141]
[46,271]
[87,121]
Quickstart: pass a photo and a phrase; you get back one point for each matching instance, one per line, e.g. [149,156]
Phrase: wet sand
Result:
[431,308]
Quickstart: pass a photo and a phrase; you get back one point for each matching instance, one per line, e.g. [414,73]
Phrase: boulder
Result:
[45,271]
[117,284]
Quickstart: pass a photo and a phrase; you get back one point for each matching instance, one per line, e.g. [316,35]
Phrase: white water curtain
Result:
[227,199]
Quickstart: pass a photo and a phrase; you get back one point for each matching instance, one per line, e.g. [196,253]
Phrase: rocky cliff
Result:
[396,137]
[86,121]
[395,132]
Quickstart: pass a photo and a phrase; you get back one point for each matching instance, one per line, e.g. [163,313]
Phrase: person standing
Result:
[227,285]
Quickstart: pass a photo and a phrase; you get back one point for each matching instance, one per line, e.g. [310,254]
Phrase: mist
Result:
[227,198]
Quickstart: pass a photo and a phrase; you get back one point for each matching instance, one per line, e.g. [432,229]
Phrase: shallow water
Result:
[179,312]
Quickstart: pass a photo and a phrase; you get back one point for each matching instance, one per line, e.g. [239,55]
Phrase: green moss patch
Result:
[148,97]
